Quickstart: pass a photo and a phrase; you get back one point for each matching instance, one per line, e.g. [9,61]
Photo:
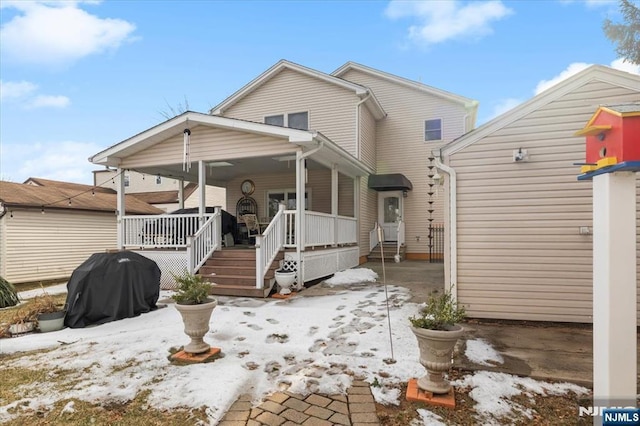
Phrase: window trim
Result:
[285,191]
[285,118]
[424,130]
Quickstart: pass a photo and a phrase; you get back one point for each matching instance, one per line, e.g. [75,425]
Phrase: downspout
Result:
[358,124]
[453,246]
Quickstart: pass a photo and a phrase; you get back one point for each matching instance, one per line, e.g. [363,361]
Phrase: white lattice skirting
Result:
[169,262]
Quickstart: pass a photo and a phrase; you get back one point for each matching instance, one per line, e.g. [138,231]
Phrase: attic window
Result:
[294,120]
[433,130]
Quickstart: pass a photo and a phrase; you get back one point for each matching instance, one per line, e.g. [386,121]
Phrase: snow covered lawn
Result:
[303,345]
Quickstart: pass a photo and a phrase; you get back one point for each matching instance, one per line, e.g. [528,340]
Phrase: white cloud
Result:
[66,161]
[592,3]
[58,33]
[576,67]
[49,101]
[16,89]
[24,92]
[621,65]
[443,20]
[503,106]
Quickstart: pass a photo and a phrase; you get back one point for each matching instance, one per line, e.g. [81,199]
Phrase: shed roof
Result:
[165,197]
[593,73]
[58,197]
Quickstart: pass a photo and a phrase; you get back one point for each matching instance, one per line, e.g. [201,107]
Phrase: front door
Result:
[390,213]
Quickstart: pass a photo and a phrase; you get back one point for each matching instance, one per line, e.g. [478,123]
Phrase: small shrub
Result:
[192,290]
[8,294]
[440,313]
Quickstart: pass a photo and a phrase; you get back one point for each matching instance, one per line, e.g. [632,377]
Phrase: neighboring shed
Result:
[48,228]
[522,236]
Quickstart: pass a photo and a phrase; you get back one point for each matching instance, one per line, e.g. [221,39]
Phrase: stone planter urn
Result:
[196,324]
[285,280]
[436,352]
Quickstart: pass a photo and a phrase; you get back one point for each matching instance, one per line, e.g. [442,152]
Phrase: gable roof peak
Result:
[275,69]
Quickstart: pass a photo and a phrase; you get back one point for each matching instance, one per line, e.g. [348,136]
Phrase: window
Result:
[286,196]
[126,180]
[294,120]
[299,120]
[158,180]
[276,120]
[433,130]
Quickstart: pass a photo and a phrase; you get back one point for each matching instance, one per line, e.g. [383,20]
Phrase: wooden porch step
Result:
[240,291]
[235,270]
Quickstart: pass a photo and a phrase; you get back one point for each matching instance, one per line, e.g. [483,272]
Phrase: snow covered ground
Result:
[303,345]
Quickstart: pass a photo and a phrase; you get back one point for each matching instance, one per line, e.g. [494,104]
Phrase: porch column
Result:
[334,202]
[120,208]
[300,214]
[181,194]
[202,190]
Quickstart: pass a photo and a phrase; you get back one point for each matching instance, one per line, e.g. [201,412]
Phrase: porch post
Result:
[120,208]
[334,202]
[202,190]
[181,194]
[300,216]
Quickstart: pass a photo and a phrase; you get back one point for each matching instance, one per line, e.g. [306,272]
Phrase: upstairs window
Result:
[294,120]
[299,120]
[276,120]
[433,130]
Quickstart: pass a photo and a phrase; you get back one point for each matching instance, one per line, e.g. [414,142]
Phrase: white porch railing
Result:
[400,236]
[159,231]
[204,242]
[269,244]
[320,229]
[373,237]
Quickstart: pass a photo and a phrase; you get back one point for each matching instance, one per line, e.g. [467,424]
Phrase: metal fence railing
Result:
[436,243]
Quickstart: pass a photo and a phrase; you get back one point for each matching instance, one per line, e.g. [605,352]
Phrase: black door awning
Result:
[390,182]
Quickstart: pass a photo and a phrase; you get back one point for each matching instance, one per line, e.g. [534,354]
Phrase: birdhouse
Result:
[613,136]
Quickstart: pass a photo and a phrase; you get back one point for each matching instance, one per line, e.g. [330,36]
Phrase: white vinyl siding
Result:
[50,246]
[318,187]
[331,108]
[368,214]
[401,147]
[3,244]
[210,144]
[367,137]
[520,254]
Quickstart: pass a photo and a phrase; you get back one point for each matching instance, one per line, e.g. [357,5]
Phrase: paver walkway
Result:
[357,408]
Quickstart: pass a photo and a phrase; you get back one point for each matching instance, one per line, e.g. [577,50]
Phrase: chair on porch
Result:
[252,224]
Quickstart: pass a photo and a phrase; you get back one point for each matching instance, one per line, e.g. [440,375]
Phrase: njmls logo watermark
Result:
[599,410]
[618,416]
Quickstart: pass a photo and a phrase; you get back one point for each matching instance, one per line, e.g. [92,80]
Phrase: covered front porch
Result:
[302,188]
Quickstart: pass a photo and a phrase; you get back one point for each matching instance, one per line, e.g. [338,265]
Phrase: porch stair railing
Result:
[400,237]
[159,231]
[203,243]
[269,244]
[373,237]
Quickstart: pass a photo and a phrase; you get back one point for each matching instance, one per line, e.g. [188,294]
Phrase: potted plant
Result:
[285,277]
[437,331]
[49,314]
[195,306]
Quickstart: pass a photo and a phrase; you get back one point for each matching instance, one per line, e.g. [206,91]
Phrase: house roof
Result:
[165,197]
[176,125]
[361,91]
[593,73]
[58,197]
[470,104]
[67,185]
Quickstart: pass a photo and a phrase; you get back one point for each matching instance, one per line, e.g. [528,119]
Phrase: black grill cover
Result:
[111,286]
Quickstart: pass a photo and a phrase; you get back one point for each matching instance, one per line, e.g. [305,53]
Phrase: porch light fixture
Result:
[405,193]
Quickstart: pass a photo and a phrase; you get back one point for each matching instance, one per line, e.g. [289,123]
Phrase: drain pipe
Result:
[453,244]
[358,123]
